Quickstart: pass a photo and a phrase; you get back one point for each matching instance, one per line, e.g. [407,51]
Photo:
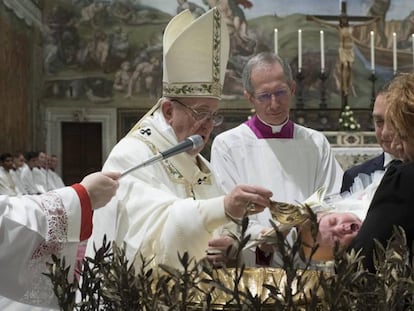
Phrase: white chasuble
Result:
[163,209]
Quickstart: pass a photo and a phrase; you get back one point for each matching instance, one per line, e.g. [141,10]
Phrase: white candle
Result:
[322,52]
[300,50]
[394,52]
[412,41]
[372,51]
[340,5]
[276,43]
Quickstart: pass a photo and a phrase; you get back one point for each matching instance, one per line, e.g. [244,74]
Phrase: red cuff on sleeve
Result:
[87,212]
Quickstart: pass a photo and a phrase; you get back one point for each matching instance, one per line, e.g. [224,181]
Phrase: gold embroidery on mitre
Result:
[201,89]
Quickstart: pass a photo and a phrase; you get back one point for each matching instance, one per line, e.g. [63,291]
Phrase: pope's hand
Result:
[101,187]
[246,198]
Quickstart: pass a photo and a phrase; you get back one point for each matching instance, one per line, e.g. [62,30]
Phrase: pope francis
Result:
[175,206]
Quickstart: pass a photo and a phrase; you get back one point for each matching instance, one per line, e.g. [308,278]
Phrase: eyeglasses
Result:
[202,115]
[266,98]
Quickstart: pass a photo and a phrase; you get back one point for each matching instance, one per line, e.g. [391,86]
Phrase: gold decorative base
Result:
[303,284]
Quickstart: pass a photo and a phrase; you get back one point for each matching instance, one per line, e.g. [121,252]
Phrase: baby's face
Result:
[338,227]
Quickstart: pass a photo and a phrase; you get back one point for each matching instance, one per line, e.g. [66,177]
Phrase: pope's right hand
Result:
[246,198]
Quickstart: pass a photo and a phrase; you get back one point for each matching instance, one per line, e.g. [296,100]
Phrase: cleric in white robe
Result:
[7,182]
[55,181]
[33,227]
[175,205]
[269,149]
[27,175]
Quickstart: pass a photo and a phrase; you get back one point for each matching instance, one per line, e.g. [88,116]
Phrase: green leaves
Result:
[110,282]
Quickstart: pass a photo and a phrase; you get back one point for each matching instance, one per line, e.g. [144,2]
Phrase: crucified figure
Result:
[346,56]
[343,72]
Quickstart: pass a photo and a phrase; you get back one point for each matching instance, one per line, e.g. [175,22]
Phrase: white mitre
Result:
[195,55]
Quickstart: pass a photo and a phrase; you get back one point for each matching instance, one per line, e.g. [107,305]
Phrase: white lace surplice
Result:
[32,228]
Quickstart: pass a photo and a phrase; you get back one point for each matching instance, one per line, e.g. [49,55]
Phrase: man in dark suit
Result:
[384,139]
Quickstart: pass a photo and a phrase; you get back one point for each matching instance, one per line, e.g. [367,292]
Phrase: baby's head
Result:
[341,227]
[334,227]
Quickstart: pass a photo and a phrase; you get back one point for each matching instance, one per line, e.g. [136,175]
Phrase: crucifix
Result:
[346,47]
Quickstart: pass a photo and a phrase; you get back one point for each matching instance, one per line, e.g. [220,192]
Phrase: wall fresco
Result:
[109,51]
